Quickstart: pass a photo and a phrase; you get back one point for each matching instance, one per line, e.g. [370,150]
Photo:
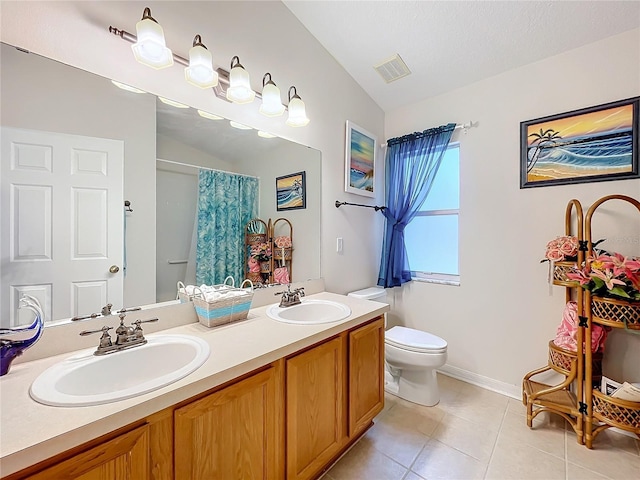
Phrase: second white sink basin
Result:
[85,379]
[310,312]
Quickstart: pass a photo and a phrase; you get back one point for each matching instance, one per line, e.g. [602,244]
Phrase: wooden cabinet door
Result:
[235,433]
[316,420]
[124,458]
[366,375]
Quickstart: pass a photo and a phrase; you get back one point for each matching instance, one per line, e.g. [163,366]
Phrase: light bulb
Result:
[239,90]
[200,70]
[150,48]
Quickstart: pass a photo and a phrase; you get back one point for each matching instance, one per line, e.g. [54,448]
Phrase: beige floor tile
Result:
[605,459]
[617,441]
[575,472]
[399,442]
[449,384]
[412,476]
[516,406]
[488,415]
[522,462]
[483,395]
[546,436]
[466,436]
[439,461]
[363,461]
[410,416]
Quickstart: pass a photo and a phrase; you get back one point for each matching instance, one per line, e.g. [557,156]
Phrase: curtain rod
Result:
[460,126]
[205,168]
[376,207]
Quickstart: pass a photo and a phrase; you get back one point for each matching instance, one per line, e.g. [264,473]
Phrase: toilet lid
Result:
[414,340]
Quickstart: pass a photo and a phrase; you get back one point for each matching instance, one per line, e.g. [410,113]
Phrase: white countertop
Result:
[31,432]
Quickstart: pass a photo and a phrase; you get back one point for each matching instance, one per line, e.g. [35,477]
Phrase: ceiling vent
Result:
[392,69]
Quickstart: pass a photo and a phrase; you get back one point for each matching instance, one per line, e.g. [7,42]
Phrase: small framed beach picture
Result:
[589,145]
[291,192]
[360,161]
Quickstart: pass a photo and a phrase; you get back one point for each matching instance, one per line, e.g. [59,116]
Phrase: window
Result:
[431,237]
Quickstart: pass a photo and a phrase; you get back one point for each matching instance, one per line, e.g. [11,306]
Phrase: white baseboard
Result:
[513,391]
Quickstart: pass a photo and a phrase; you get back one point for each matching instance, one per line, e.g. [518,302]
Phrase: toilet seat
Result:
[415,340]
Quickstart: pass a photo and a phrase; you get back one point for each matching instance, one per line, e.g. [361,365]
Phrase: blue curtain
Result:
[412,162]
[226,202]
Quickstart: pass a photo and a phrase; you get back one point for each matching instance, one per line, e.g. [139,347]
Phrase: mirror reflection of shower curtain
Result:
[226,202]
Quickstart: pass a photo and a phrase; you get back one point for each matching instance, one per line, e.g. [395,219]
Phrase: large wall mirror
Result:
[75,147]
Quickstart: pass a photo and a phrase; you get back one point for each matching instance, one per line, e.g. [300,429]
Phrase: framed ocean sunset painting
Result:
[589,145]
[360,161]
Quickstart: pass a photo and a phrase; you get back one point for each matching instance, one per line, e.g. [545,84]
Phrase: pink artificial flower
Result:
[568,246]
[600,261]
[606,277]
[579,276]
[554,254]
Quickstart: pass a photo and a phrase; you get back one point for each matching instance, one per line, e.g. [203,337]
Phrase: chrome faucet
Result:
[105,312]
[290,298]
[126,337]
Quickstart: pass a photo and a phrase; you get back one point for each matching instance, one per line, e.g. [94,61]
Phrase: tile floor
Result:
[474,433]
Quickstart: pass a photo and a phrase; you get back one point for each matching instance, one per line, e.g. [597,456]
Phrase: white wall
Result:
[499,321]
[267,37]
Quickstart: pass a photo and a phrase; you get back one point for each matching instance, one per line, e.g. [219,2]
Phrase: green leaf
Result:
[619,292]
[598,283]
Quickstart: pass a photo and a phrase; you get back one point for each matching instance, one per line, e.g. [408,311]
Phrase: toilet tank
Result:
[372,293]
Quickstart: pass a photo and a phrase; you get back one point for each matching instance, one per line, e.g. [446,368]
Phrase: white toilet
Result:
[412,357]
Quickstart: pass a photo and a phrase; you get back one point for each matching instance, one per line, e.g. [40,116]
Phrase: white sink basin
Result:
[310,312]
[86,379]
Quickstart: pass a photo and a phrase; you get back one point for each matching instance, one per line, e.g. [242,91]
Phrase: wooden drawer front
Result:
[316,381]
[232,433]
[366,375]
[124,458]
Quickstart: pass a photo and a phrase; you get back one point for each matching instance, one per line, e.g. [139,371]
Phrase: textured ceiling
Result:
[450,44]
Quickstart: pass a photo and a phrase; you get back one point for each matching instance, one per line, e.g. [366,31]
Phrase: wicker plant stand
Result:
[258,231]
[604,411]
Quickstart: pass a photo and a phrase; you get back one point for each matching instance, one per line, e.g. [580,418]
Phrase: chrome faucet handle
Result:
[106,310]
[299,291]
[133,309]
[105,339]
[287,292]
[138,329]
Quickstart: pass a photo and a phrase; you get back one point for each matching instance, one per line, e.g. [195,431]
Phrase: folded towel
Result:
[568,329]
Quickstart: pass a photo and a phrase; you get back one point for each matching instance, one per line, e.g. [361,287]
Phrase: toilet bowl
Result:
[411,358]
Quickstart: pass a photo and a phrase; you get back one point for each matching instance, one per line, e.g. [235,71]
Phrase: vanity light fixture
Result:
[200,71]
[150,48]
[266,134]
[297,115]
[173,103]
[208,115]
[239,126]
[126,87]
[239,90]
[271,104]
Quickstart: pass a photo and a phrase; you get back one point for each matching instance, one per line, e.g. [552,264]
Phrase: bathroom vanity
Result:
[274,400]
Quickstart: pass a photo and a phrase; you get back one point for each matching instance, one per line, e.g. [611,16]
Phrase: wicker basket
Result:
[560,270]
[253,238]
[619,413]
[184,297]
[616,313]
[282,253]
[561,360]
[226,310]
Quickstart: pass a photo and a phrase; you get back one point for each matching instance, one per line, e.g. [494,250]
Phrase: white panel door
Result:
[61,219]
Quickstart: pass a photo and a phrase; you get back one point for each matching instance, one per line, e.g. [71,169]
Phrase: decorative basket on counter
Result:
[185,297]
[616,313]
[232,308]
[560,270]
[620,413]
[562,360]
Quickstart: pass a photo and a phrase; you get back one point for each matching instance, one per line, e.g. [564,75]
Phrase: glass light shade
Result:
[173,103]
[239,126]
[200,71]
[151,49]
[266,134]
[297,115]
[126,87]
[239,90]
[271,104]
[208,115]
